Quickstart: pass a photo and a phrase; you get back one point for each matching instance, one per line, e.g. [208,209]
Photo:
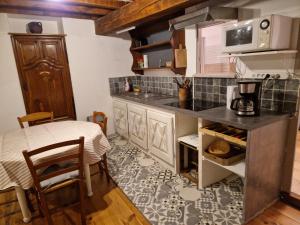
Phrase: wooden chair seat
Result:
[58,181]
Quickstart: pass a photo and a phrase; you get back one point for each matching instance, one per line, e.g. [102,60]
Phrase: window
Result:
[209,50]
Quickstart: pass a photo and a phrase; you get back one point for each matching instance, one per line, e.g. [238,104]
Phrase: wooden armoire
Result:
[44,74]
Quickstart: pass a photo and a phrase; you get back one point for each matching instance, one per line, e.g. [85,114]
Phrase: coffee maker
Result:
[249,102]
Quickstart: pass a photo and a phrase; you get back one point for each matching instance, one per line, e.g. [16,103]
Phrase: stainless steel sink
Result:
[146,95]
[150,95]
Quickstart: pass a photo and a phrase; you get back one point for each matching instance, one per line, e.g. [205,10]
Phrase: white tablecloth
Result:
[13,168]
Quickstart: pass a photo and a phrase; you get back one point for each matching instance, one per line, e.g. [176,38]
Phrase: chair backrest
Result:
[102,122]
[38,117]
[75,156]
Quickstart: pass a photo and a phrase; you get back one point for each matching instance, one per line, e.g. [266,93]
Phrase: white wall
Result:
[93,59]
[11,99]
[191,48]
[17,23]
[266,7]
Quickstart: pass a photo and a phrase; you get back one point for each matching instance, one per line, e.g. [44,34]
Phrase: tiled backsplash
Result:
[212,89]
[277,95]
[162,85]
[280,95]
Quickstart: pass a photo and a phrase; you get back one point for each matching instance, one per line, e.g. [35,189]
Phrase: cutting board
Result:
[180,57]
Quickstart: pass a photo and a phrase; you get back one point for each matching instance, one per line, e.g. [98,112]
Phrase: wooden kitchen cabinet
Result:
[154,130]
[137,124]
[120,118]
[161,136]
[262,178]
[44,74]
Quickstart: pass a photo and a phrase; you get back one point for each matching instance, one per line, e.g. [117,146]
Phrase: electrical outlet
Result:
[271,75]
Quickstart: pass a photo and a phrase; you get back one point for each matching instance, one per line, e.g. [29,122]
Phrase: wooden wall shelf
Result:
[153,46]
[159,49]
[260,53]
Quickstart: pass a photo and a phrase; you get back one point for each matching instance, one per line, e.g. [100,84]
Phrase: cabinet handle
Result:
[44,73]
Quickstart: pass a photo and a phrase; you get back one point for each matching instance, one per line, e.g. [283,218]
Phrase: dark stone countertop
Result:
[226,116]
[219,114]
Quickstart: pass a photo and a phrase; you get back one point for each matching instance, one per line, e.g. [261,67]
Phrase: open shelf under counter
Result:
[188,157]
[191,140]
[237,168]
[260,171]
[214,168]
[234,140]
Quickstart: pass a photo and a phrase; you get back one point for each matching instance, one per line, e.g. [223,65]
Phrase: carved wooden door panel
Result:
[52,51]
[44,74]
[120,118]
[137,124]
[28,52]
[160,136]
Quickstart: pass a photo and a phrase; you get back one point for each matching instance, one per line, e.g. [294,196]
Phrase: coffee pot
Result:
[249,102]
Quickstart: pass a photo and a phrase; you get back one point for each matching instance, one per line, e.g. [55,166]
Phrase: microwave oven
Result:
[267,33]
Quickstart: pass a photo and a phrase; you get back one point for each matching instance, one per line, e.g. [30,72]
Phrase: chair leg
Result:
[39,204]
[82,209]
[45,209]
[30,206]
[100,167]
[104,160]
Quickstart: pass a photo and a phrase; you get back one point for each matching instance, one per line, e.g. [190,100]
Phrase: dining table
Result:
[13,168]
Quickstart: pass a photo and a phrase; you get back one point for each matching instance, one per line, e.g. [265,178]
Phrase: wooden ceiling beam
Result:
[46,13]
[47,6]
[138,12]
[104,4]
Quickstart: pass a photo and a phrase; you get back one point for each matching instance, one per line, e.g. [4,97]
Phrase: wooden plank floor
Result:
[296,173]
[109,206]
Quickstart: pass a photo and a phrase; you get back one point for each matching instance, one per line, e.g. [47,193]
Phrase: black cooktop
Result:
[195,105]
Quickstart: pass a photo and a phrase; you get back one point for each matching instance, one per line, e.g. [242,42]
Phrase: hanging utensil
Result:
[177,82]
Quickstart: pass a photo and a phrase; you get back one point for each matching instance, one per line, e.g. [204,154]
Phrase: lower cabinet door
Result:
[160,136]
[120,118]
[137,124]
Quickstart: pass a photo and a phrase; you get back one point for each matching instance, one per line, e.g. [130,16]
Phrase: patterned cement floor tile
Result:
[169,199]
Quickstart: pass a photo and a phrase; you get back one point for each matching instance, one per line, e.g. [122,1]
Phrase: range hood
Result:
[203,17]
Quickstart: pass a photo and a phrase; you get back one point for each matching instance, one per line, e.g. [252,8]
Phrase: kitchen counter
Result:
[219,114]
[136,117]
[226,116]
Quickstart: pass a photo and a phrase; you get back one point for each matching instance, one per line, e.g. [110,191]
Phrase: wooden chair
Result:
[61,176]
[101,119]
[36,118]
